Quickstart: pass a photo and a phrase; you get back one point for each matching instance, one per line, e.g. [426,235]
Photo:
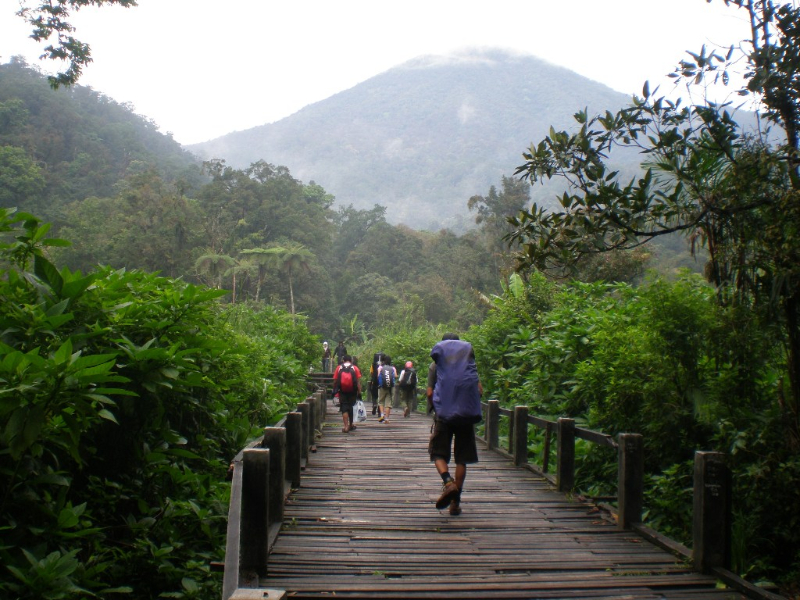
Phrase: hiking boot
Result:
[455,507]
[449,492]
[352,427]
[381,419]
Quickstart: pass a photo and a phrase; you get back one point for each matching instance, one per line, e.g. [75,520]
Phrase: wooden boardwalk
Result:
[363,525]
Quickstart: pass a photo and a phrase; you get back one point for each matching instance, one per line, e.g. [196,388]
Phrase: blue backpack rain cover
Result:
[386,375]
[456,397]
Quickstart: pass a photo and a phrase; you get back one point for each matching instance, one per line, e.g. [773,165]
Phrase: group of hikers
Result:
[453,396]
[386,388]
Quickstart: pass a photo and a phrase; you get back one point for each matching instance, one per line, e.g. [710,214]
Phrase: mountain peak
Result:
[467,56]
[425,136]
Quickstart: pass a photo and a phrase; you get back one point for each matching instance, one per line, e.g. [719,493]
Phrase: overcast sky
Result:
[203,68]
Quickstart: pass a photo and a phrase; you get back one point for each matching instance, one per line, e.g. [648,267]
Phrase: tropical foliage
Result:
[135,362]
[666,360]
[688,365]
[735,193]
[123,396]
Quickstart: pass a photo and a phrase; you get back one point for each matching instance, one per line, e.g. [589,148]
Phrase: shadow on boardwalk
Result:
[364,525]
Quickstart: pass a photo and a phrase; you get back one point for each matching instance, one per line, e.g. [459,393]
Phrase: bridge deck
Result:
[363,525]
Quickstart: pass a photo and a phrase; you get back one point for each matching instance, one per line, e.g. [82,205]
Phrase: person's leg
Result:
[441,466]
[439,449]
[465,452]
[450,490]
[345,420]
[461,475]
[394,395]
[385,403]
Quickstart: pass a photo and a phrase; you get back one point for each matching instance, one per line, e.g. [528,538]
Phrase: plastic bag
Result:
[359,412]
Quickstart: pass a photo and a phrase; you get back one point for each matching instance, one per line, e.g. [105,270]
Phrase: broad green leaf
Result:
[108,415]
[46,271]
[64,352]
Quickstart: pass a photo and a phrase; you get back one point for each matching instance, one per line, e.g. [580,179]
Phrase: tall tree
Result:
[260,259]
[21,179]
[49,21]
[353,226]
[291,258]
[494,210]
[213,266]
[737,194]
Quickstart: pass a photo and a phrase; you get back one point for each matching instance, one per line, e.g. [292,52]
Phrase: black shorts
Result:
[442,436]
[346,401]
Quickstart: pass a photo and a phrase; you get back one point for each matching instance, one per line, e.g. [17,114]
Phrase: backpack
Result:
[386,376]
[347,379]
[456,396]
[407,379]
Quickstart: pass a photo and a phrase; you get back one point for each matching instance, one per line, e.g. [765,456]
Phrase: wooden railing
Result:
[320,380]
[711,518]
[266,470]
[263,474]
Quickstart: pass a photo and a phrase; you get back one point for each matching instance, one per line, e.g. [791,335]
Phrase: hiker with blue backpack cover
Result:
[454,394]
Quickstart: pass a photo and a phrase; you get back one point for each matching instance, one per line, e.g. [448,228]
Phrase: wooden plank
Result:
[363,525]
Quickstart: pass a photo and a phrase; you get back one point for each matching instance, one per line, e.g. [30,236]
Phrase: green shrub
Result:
[123,397]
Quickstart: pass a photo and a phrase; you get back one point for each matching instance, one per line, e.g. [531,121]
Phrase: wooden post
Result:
[294,447]
[304,409]
[319,402]
[320,397]
[492,424]
[317,429]
[255,511]
[511,433]
[275,440]
[565,455]
[233,545]
[546,451]
[630,479]
[711,518]
[314,414]
[520,435]
[314,421]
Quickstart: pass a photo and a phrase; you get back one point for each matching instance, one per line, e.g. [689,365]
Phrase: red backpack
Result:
[347,379]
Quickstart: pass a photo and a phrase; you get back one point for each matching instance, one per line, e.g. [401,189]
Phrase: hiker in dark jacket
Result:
[339,353]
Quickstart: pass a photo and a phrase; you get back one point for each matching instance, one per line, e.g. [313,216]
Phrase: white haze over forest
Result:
[204,68]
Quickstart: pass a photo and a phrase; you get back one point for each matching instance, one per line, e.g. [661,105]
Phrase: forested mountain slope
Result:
[423,137]
[57,146]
